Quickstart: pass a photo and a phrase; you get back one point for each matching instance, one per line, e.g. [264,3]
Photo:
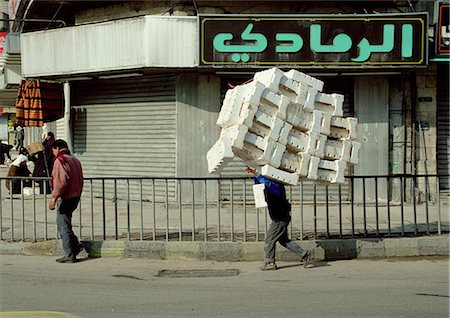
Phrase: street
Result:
[113,287]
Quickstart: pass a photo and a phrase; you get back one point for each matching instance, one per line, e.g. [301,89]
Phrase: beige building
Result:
[143,87]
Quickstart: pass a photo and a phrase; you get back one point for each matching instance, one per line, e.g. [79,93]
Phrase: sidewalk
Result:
[244,251]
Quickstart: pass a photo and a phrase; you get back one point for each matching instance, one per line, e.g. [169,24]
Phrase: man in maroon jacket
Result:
[67,185]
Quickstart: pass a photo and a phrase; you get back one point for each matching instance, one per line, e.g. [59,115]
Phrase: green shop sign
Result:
[319,40]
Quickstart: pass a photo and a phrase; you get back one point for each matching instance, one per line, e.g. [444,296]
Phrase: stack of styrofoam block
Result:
[283,124]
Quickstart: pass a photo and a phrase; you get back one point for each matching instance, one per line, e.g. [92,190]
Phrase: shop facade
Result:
[144,93]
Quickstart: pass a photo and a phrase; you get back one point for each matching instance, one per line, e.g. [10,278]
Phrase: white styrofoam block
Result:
[302,142]
[297,142]
[247,114]
[263,118]
[276,128]
[231,110]
[259,129]
[256,140]
[325,124]
[329,164]
[310,98]
[307,121]
[219,155]
[305,96]
[320,145]
[274,124]
[290,87]
[352,123]
[303,167]
[266,145]
[306,79]
[343,127]
[330,103]
[277,154]
[235,134]
[313,168]
[298,163]
[252,93]
[279,175]
[354,156]
[284,133]
[281,102]
[289,162]
[332,171]
[339,149]
[248,153]
[258,194]
[229,113]
[269,78]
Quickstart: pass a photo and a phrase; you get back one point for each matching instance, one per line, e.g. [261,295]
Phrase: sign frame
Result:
[215,45]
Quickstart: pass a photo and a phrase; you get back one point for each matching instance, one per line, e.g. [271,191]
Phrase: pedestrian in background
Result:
[44,163]
[19,168]
[4,152]
[20,136]
[67,185]
[280,213]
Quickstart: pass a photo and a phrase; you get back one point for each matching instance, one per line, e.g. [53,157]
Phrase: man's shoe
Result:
[79,250]
[306,259]
[269,267]
[66,260]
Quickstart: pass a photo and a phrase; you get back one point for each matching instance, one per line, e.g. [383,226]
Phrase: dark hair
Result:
[59,143]
[50,134]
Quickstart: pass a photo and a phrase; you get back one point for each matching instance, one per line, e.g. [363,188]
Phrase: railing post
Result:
[116,212]
[103,209]
[180,212]
[154,209]
[352,199]
[426,205]
[364,206]
[193,211]
[141,209]
[128,211]
[315,212]
[244,191]
[340,211]
[327,211]
[167,208]
[92,209]
[402,211]
[206,210]
[388,196]
[218,210]
[376,208]
[438,201]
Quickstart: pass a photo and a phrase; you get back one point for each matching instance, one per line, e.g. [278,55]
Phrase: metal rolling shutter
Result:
[126,128]
[443,126]
[341,85]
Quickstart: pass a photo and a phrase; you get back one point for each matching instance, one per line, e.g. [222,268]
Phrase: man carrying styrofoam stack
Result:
[280,213]
[283,124]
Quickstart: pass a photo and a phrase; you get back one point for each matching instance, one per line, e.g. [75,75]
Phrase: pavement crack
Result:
[433,295]
[126,276]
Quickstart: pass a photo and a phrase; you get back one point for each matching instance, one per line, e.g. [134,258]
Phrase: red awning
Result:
[38,102]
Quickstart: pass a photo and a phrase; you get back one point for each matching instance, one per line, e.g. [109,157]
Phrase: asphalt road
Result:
[112,287]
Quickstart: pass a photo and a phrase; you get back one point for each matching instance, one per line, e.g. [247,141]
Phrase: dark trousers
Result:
[278,232]
[64,222]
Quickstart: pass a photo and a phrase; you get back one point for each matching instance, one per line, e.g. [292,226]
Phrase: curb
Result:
[327,250]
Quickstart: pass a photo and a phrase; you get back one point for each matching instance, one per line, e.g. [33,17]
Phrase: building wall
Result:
[198,105]
[171,8]
[426,132]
